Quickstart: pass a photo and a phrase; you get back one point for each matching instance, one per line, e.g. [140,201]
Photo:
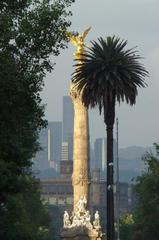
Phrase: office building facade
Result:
[50,140]
[54,144]
[100,154]
[68,123]
[41,159]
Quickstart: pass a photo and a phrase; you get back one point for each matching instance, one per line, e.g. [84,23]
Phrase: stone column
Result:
[80,177]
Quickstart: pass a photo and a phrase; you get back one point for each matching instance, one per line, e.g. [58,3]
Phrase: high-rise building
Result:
[92,158]
[50,140]
[66,169]
[68,119]
[100,154]
[64,151]
[41,159]
[54,144]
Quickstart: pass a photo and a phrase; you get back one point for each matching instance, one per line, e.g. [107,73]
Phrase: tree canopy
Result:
[108,70]
[30,32]
[147,187]
[145,218]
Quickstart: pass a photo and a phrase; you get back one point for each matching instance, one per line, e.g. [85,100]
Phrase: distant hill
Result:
[132,152]
[130,158]
[131,164]
[128,176]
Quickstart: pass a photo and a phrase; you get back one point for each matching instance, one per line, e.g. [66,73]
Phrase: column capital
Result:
[74,94]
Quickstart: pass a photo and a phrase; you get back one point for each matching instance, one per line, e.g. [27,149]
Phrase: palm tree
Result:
[108,73]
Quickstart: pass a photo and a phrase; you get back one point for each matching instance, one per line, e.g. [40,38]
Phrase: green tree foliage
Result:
[147,187]
[24,216]
[126,226]
[30,31]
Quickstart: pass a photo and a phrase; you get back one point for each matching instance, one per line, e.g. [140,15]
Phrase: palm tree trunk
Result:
[109,120]
[110,184]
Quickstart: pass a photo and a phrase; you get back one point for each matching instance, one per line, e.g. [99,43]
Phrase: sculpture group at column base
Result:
[81,233]
[79,225]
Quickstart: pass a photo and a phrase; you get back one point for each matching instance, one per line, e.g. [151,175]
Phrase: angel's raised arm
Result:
[72,38]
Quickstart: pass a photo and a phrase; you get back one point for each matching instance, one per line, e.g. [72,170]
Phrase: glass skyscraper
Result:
[54,144]
[41,159]
[50,140]
[100,153]
[68,119]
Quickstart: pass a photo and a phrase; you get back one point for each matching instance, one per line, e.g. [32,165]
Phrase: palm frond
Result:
[107,68]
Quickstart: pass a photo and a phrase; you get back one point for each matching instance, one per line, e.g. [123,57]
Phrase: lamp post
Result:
[117,182]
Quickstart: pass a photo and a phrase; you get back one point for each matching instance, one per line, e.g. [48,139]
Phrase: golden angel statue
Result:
[78,41]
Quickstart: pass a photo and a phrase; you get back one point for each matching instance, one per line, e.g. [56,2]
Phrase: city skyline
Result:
[138,125]
[54,155]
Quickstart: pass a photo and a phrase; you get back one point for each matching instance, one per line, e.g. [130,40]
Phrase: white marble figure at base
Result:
[81,217]
[66,220]
[96,222]
[88,220]
[81,205]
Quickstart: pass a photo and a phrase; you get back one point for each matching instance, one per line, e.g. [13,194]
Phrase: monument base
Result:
[81,233]
[79,225]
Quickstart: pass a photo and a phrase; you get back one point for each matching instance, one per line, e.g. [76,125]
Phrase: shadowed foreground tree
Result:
[24,216]
[30,31]
[126,226]
[109,73]
[146,215]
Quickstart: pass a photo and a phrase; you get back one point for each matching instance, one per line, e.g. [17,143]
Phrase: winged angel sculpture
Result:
[78,41]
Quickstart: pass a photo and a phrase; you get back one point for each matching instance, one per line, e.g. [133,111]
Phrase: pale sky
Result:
[136,21]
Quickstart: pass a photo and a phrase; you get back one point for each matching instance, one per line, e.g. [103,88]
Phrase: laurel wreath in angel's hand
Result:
[74,38]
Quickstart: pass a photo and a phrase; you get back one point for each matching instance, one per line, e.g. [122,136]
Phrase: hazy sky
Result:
[136,21]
